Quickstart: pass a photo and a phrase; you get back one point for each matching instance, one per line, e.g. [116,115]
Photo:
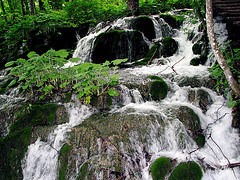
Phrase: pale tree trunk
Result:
[217,52]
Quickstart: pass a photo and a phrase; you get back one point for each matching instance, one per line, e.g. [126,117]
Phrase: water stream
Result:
[222,141]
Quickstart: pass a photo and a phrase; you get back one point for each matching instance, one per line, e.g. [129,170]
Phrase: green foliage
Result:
[45,74]
[93,11]
[174,21]
[161,167]
[232,58]
[187,171]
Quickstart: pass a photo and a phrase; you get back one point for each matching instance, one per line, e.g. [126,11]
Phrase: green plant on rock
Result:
[43,75]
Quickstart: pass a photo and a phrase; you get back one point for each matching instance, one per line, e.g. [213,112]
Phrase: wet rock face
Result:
[106,143]
[119,44]
[200,98]
[192,123]
[145,25]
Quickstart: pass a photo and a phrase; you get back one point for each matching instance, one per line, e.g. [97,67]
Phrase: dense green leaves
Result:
[232,58]
[42,75]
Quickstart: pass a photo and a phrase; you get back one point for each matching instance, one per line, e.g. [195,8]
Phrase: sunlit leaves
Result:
[42,75]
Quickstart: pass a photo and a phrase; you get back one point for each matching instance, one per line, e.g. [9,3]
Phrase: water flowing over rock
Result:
[119,45]
[125,38]
[185,125]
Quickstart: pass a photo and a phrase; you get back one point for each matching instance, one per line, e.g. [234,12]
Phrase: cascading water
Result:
[160,133]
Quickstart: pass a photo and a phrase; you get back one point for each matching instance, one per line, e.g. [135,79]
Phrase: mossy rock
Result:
[35,115]
[198,60]
[116,44]
[187,171]
[63,161]
[169,46]
[84,172]
[173,21]
[3,85]
[158,89]
[201,48]
[102,102]
[12,150]
[151,54]
[191,122]
[145,25]
[14,146]
[161,167]
[197,47]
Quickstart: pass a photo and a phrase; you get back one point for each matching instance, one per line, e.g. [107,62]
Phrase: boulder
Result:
[161,167]
[169,47]
[145,25]
[187,170]
[25,130]
[200,98]
[192,123]
[119,44]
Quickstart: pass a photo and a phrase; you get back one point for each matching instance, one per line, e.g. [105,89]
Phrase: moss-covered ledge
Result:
[26,122]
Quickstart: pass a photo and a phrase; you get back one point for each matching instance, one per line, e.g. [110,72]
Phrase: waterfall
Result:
[163,133]
[41,159]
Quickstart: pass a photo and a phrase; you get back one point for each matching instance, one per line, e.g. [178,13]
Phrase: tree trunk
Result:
[41,6]
[3,10]
[23,10]
[32,7]
[217,52]
[2,6]
[133,7]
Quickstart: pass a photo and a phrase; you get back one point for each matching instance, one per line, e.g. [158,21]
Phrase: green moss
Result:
[187,171]
[161,167]
[169,46]
[155,78]
[84,172]
[12,150]
[198,60]
[35,115]
[191,122]
[158,89]
[174,21]
[200,140]
[152,53]
[197,48]
[14,146]
[3,85]
[63,161]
